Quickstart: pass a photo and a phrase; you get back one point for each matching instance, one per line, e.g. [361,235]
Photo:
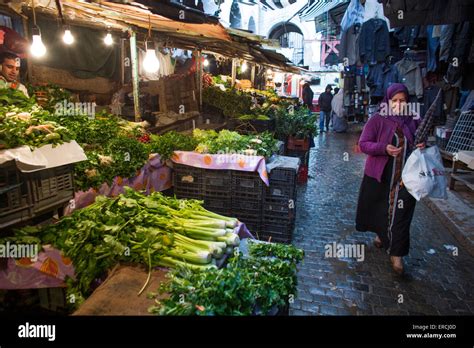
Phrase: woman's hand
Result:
[421,146]
[393,150]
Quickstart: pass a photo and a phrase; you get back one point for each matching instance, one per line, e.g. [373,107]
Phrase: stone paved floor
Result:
[436,282]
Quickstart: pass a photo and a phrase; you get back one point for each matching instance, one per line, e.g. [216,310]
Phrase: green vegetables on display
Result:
[153,230]
[255,284]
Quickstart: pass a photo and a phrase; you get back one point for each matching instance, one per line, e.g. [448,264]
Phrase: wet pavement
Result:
[438,279]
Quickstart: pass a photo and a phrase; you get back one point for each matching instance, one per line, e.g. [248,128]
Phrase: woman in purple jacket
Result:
[385,206]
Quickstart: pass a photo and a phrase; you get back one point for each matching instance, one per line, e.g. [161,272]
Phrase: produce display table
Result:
[154,176]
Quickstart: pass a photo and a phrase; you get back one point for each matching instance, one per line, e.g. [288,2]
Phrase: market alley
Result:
[436,281]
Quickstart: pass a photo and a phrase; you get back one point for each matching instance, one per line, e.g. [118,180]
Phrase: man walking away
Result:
[324,102]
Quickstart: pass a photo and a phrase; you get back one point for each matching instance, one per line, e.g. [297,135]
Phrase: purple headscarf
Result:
[407,123]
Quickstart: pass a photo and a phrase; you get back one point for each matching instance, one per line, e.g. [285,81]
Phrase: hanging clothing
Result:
[407,35]
[459,52]
[349,45]
[354,14]
[468,103]
[427,12]
[433,45]
[410,75]
[445,41]
[166,66]
[380,77]
[374,41]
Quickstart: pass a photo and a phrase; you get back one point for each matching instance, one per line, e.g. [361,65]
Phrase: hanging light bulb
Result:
[269,71]
[151,64]
[244,66]
[206,62]
[37,47]
[108,40]
[67,37]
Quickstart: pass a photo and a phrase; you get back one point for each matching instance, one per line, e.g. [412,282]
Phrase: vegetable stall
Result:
[141,182]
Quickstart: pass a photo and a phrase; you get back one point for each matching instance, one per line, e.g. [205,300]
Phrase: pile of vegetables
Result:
[298,123]
[170,142]
[14,97]
[32,128]
[226,141]
[55,95]
[154,230]
[253,284]
[232,102]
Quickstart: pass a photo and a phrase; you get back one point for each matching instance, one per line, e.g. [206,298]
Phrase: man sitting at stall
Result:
[10,72]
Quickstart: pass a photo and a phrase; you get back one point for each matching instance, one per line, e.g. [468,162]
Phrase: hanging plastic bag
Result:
[424,174]
[354,14]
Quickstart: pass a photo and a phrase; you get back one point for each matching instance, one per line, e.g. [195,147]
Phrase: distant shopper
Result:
[308,96]
[385,206]
[324,102]
[339,120]
[10,72]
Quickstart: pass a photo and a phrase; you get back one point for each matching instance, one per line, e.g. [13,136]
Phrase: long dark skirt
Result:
[389,218]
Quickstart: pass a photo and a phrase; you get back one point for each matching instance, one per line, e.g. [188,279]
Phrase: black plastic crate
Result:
[283,175]
[252,221]
[247,185]
[217,182]
[248,207]
[277,230]
[280,191]
[186,194]
[187,181]
[302,155]
[220,205]
[279,209]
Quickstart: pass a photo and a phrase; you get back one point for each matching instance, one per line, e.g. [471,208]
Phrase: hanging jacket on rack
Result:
[459,52]
[427,12]
[407,35]
[374,41]
[410,75]
[380,77]
[433,44]
[349,45]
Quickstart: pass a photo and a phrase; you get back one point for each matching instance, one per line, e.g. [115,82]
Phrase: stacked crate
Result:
[188,181]
[268,212]
[247,194]
[279,202]
[215,191]
[299,148]
[24,196]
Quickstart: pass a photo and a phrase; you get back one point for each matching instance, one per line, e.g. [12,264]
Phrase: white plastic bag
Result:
[424,174]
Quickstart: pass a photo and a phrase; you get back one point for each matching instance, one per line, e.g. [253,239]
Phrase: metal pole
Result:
[252,75]
[200,78]
[134,59]
[122,61]
[234,71]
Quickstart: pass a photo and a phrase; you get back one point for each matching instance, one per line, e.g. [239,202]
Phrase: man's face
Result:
[11,69]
